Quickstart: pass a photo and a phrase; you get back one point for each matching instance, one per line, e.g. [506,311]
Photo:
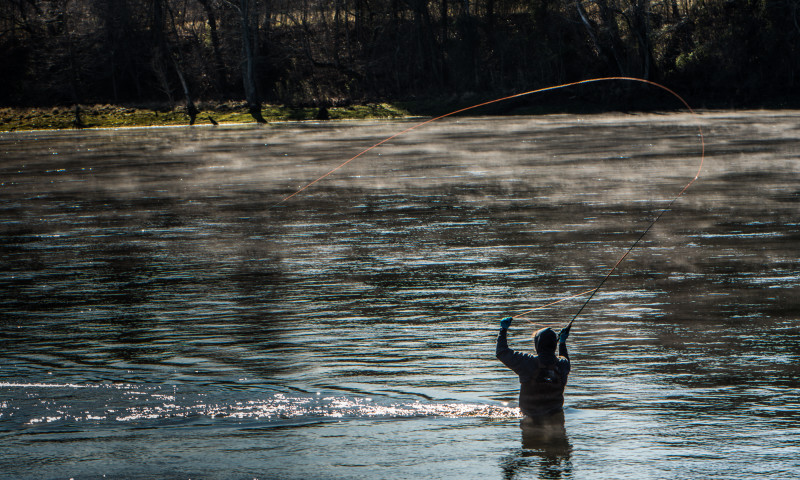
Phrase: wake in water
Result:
[32,404]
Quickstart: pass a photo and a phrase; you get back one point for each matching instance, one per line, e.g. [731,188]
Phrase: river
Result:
[164,315]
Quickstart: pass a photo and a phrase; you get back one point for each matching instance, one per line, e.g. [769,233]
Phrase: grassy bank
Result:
[112,116]
[592,101]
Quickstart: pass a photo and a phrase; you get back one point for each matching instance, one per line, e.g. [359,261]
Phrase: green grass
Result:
[114,116]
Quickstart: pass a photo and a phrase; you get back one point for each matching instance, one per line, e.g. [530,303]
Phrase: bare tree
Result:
[249,62]
[219,63]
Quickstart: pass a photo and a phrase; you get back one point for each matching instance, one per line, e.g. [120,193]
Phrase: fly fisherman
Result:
[543,376]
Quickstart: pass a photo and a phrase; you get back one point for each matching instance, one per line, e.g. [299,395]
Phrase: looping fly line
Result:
[591,292]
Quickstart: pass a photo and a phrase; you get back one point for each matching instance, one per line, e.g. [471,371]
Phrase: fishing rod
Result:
[633,245]
[483,104]
[591,292]
[645,231]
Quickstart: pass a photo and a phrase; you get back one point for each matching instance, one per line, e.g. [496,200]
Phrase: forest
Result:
[726,53]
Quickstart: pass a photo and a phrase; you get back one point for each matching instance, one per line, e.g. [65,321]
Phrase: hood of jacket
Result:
[545,342]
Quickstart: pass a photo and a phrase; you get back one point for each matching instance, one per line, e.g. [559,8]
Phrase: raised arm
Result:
[510,358]
[562,342]
[562,350]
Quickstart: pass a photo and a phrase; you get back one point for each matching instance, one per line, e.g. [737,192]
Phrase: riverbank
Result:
[210,113]
[114,116]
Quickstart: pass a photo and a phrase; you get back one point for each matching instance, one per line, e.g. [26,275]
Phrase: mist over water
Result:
[161,316]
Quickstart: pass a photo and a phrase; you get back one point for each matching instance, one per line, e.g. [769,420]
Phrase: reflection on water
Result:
[546,450]
[144,277]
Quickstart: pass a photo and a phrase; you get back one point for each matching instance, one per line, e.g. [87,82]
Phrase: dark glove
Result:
[505,323]
[563,334]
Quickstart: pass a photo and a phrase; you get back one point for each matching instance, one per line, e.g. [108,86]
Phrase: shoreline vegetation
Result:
[72,117]
[17,119]
[166,62]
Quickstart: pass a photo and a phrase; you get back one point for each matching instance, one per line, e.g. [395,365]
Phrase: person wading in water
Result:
[543,376]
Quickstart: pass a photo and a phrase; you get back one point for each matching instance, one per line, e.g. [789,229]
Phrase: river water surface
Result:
[162,317]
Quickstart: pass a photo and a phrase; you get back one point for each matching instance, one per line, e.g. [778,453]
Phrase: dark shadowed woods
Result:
[333,52]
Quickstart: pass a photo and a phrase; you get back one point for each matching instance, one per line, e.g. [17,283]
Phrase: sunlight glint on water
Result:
[153,306]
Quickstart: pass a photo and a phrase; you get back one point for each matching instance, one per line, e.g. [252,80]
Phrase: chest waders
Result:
[543,392]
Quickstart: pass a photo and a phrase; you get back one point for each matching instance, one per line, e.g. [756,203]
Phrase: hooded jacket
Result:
[542,377]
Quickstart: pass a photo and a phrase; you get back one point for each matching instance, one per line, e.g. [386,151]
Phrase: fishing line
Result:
[533,92]
[522,314]
[650,226]
[483,104]
[664,210]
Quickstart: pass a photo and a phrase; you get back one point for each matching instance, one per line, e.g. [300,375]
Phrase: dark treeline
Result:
[322,52]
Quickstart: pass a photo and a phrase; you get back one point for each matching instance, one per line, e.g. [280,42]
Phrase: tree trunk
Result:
[177,61]
[589,27]
[191,108]
[608,17]
[249,65]
[445,19]
[219,63]
[642,28]
[490,17]
[443,15]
